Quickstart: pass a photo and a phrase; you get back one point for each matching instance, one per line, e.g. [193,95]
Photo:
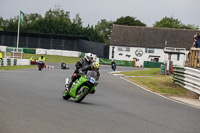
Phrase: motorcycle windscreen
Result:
[92,74]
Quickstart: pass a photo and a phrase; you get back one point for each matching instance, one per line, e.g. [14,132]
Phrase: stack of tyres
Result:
[162,69]
[1,63]
[8,62]
[15,62]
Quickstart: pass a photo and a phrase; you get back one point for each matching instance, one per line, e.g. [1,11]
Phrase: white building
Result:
[150,44]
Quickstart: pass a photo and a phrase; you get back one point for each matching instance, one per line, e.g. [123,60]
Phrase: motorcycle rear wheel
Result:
[82,92]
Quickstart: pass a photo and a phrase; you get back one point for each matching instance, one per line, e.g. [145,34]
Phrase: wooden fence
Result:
[194,58]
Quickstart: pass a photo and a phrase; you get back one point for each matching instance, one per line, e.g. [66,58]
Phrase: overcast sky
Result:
[92,11]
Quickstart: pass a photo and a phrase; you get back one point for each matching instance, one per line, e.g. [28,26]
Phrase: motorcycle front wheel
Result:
[82,92]
[66,95]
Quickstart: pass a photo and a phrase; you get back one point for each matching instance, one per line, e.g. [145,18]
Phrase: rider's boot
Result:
[92,92]
[68,88]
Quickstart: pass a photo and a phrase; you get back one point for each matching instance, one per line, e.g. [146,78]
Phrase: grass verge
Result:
[161,84]
[49,59]
[53,58]
[17,67]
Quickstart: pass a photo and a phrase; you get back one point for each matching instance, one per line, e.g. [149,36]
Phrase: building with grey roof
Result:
[150,44]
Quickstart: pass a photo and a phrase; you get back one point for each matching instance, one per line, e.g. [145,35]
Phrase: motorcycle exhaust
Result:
[66,82]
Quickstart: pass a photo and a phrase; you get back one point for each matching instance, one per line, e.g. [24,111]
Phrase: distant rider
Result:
[42,60]
[86,61]
[113,65]
[62,63]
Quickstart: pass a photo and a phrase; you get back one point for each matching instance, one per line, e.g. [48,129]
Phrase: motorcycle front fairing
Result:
[76,85]
[88,81]
[40,62]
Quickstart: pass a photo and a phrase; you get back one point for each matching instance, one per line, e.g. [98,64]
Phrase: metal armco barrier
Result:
[187,77]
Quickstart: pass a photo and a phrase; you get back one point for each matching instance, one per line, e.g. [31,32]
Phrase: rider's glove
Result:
[96,83]
[80,72]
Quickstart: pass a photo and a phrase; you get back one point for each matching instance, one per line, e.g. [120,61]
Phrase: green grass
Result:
[158,83]
[53,58]
[49,59]
[17,67]
[149,72]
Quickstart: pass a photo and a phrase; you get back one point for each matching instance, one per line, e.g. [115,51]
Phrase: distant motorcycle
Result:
[64,66]
[40,65]
[113,67]
[81,87]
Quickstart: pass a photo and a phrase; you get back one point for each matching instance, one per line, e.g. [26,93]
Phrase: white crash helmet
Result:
[89,57]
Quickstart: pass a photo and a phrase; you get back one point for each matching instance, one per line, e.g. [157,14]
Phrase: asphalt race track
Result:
[31,102]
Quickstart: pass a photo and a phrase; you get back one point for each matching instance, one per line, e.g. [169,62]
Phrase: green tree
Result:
[92,34]
[1,23]
[104,28]
[131,21]
[77,26]
[29,23]
[168,23]
[56,21]
[171,22]
[190,26]
[11,24]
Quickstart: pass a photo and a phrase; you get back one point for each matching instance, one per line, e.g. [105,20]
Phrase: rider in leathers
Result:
[95,67]
[86,61]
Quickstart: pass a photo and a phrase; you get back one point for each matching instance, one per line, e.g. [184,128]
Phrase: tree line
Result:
[57,21]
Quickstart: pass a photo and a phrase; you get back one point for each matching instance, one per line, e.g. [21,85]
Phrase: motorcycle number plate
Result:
[92,80]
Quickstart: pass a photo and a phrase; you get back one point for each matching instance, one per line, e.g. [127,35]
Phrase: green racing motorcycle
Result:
[81,87]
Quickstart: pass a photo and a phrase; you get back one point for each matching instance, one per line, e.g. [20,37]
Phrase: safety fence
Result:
[118,62]
[14,62]
[58,52]
[187,77]
[51,41]
[9,50]
[25,50]
[151,64]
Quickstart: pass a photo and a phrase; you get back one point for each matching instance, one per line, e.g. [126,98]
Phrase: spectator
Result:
[194,40]
[197,42]
[31,59]
[1,57]
[197,45]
